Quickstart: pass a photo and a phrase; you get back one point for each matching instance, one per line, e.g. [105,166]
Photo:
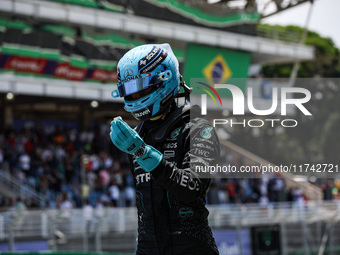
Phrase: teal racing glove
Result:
[128,140]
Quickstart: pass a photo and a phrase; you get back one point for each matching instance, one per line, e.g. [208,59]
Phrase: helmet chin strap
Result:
[163,116]
[187,91]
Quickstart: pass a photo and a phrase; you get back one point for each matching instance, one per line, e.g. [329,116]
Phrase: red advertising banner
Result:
[59,70]
[104,75]
[26,64]
[64,70]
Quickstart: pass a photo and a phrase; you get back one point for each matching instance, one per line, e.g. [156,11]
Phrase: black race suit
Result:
[172,218]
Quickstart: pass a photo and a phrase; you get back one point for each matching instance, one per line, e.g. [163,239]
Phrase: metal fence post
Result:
[11,235]
[331,240]
[305,233]
[239,229]
[121,222]
[239,238]
[283,237]
[2,227]
[97,236]
[44,225]
[86,236]
[53,236]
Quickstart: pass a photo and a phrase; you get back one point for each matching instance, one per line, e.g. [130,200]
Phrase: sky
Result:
[325,18]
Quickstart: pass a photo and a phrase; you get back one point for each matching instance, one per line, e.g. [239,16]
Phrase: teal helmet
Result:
[148,79]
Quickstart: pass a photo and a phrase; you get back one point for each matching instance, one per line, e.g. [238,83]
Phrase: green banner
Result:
[194,12]
[216,66]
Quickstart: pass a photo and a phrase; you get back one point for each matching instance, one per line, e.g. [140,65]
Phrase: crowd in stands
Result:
[85,166]
[62,160]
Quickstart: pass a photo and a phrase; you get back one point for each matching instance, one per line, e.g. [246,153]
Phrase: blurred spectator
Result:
[88,214]
[32,204]
[222,196]
[114,193]
[18,211]
[99,209]
[232,189]
[212,195]
[65,206]
[298,197]
[104,178]
[108,161]
[20,207]
[264,201]
[277,189]
[327,190]
[129,196]
[25,162]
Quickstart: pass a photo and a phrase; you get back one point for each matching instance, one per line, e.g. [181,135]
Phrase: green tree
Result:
[327,56]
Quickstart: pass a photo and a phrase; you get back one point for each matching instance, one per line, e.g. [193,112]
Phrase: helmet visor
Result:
[150,79]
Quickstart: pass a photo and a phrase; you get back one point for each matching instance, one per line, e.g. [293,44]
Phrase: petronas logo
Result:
[217,71]
[206,132]
[175,133]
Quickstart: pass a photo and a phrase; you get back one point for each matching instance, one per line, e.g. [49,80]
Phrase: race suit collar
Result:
[160,128]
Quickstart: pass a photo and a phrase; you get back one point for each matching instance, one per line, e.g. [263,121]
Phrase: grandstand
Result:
[57,70]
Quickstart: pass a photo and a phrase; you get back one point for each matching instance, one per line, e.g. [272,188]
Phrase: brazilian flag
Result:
[213,65]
